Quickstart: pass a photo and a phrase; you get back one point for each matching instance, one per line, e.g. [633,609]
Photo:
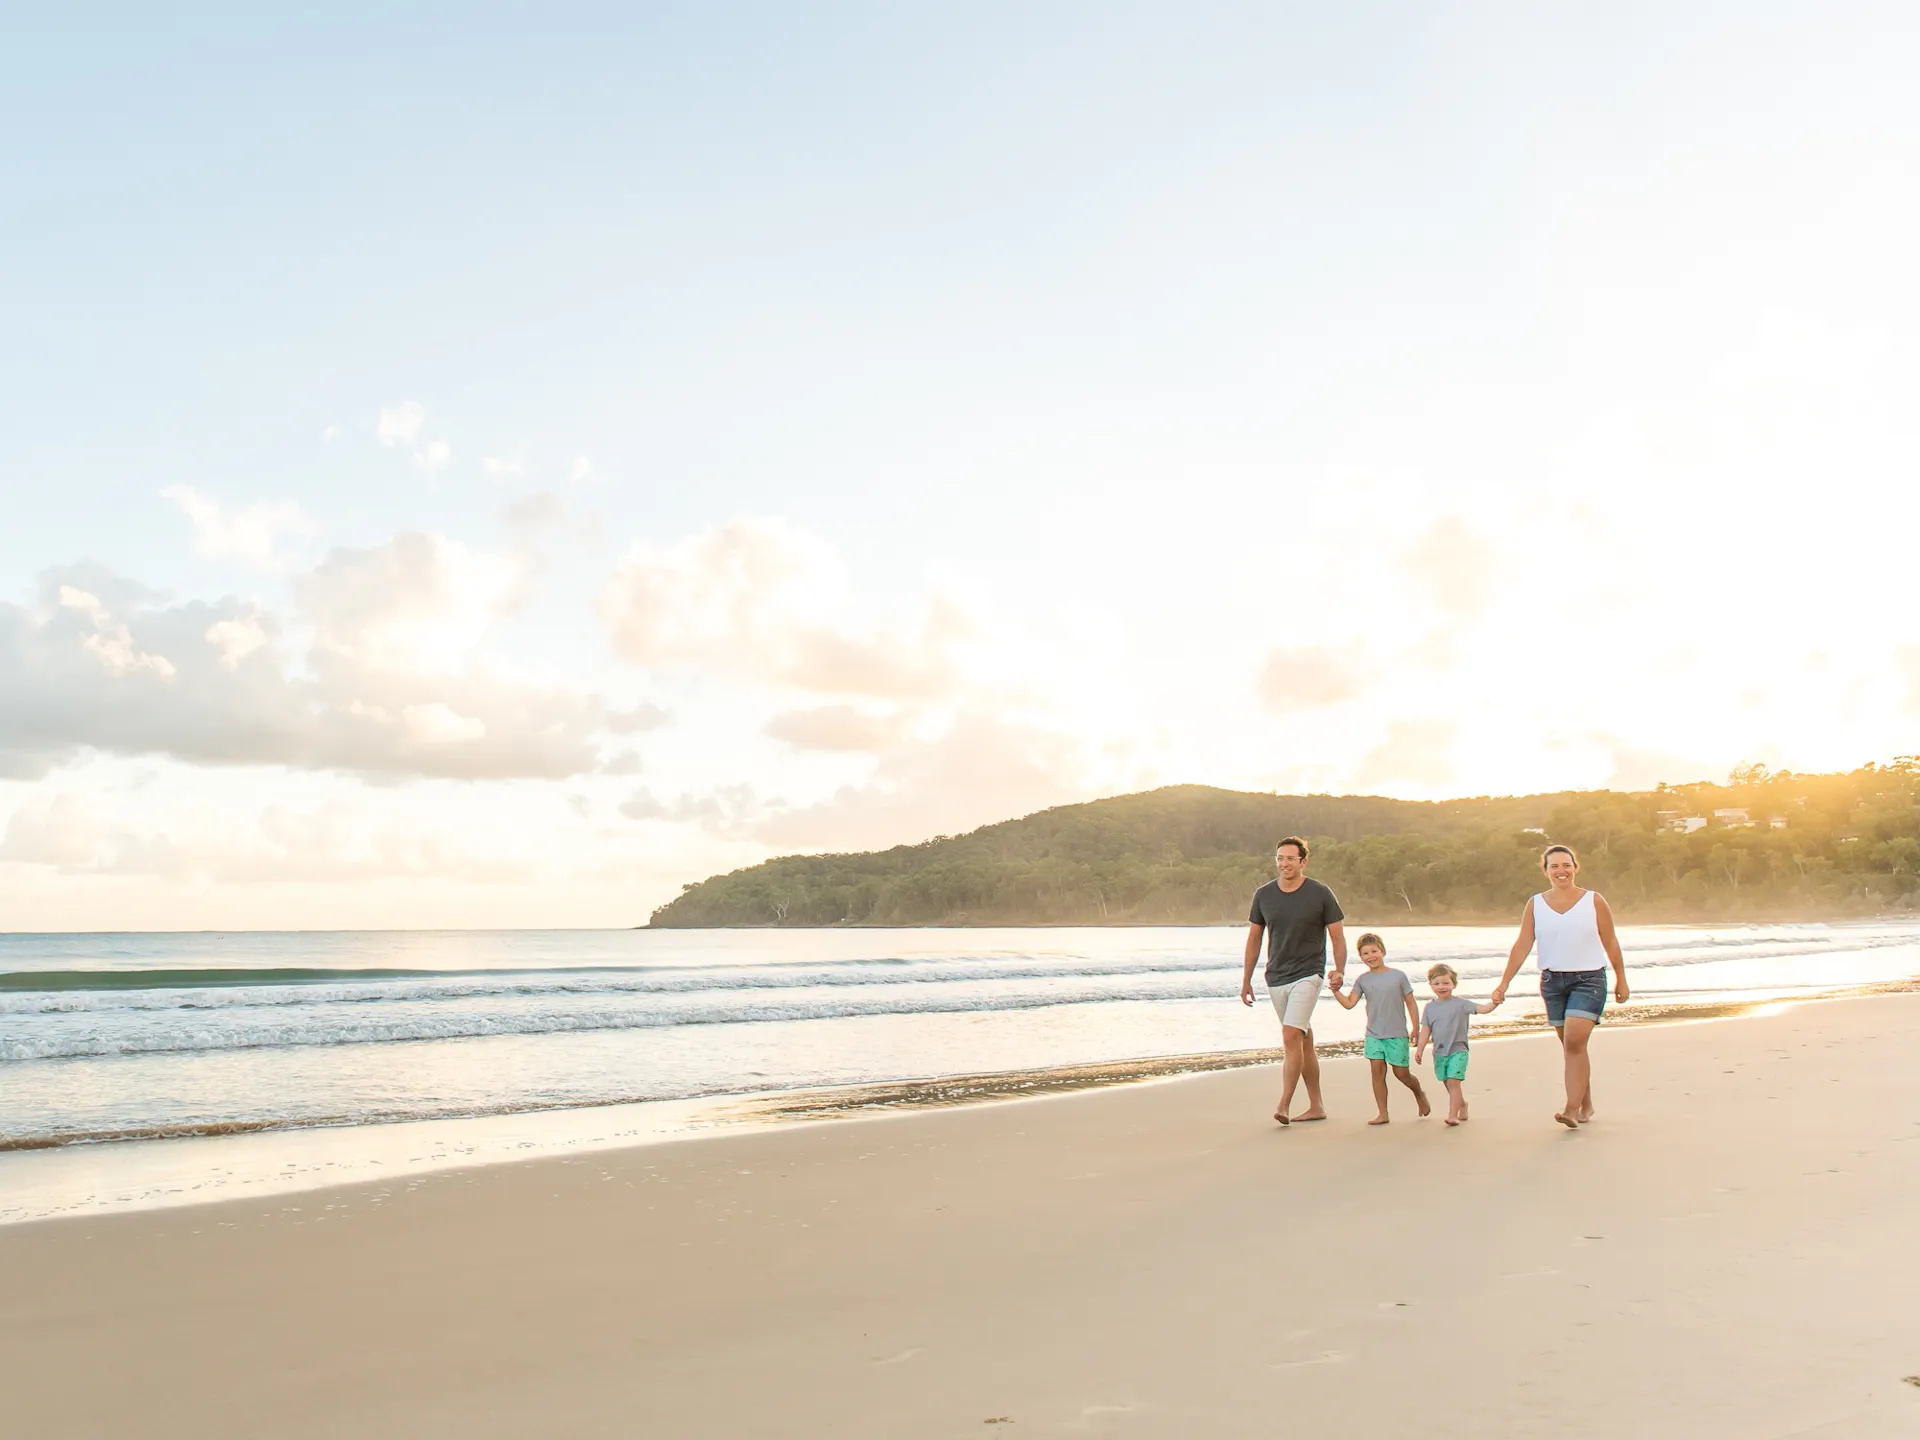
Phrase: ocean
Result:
[123,1045]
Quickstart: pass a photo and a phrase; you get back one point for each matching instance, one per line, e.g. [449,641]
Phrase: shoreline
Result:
[1718,1256]
[925,1091]
[191,1171]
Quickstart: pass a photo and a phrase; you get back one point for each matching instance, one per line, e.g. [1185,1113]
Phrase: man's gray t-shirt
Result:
[1296,924]
[1385,992]
[1447,1020]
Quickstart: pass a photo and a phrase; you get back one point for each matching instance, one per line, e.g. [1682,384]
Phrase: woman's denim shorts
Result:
[1579,993]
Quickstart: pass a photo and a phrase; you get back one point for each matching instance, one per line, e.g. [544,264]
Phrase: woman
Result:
[1574,930]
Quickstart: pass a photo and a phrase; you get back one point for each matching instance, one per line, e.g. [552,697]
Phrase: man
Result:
[1299,916]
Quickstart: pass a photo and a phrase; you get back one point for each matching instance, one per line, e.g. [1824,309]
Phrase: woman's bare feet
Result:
[1378,1120]
[1566,1120]
[1281,1116]
[1452,1121]
[1310,1115]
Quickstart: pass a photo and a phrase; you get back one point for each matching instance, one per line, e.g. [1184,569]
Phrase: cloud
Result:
[61,830]
[401,424]
[581,470]
[637,719]
[501,468]
[392,681]
[330,434]
[1307,677]
[980,770]
[763,601]
[730,811]
[332,842]
[838,727]
[253,535]
[1455,565]
[1416,751]
[532,514]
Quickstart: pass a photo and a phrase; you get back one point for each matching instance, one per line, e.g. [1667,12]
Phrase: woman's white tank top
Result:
[1570,941]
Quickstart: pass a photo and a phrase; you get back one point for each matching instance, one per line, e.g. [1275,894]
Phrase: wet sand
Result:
[1732,1249]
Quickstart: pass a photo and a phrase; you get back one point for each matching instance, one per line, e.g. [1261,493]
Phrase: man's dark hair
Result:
[1295,841]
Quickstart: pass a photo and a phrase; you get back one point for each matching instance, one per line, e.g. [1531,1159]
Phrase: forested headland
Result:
[1760,846]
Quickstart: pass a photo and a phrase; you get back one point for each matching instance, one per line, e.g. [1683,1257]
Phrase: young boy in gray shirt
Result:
[1391,1016]
[1443,1025]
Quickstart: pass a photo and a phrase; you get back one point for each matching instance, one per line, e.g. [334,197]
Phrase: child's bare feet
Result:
[1463,1112]
[1426,1109]
[1452,1121]
[1378,1120]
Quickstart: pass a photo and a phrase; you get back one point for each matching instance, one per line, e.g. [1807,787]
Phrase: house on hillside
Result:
[1675,823]
[1776,822]
[1733,818]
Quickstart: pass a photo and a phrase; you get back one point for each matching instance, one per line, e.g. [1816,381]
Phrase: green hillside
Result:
[1820,845]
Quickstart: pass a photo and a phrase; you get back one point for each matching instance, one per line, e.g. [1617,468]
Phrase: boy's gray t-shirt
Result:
[1447,1020]
[1385,992]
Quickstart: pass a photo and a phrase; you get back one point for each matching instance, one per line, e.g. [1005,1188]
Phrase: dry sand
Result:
[1732,1250]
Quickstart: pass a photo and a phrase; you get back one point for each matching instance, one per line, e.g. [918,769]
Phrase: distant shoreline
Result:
[1504,917]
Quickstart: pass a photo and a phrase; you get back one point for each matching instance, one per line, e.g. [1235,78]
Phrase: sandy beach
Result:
[1730,1250]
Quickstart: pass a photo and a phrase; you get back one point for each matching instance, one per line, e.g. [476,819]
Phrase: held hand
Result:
[1499,994]
[1338,978]
[1620,992]
[1246,992]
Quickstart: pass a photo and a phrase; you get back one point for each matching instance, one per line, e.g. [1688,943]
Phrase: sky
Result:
[497,465]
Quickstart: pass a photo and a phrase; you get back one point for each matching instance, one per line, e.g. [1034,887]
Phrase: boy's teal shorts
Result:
[1391,1050]
[1451,1067]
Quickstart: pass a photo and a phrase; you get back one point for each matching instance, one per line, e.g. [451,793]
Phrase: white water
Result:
[147,1037]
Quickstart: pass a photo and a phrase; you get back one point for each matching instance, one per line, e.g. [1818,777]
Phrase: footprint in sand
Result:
[1325,1357]
[902,1356]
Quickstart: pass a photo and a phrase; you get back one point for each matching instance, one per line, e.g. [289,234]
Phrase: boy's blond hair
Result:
[1370,939]
[1435,971]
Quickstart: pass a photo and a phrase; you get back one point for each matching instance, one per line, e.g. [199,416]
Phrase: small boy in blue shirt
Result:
[1391,1016]
[1443,1025]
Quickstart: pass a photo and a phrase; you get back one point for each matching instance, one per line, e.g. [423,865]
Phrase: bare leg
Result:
[1405,1077]
[1573,1042]
[1456,1103]
[1379,1069]
[1294,1042]
[1310,1077]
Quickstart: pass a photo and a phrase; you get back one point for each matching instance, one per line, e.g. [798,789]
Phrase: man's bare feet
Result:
[1310,1115]
[1378,1120]
[1566,1120]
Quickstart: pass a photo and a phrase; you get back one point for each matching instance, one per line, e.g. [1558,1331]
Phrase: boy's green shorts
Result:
[1451,1067]
[1393,1051]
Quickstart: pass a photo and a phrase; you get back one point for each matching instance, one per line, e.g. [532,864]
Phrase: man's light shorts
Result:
[1293,1002]
[1451,1067]
[1391,1049]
